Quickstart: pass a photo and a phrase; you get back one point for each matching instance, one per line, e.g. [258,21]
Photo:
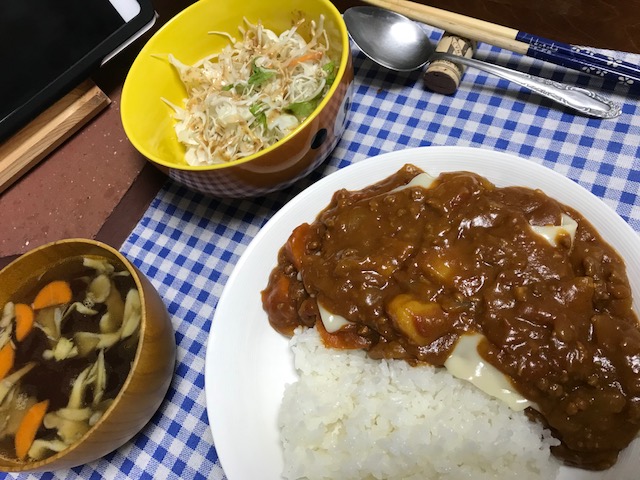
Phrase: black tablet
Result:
[47,47]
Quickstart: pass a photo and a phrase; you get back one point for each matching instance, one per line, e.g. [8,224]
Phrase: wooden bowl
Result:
[151,370]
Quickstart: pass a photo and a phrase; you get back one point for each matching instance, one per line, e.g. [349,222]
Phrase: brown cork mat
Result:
[75,190]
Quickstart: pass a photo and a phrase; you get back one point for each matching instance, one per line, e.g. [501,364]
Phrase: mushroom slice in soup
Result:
[89,341]
[101,265]
[64,348]
[98,411]
[42,448]
[98,290]
[49,320]
[71,424]
[6,323]
[98,374]
[132,314]
[80,384]
[80,308]
[8,383]
[74,420]
[12,409]
[111,321]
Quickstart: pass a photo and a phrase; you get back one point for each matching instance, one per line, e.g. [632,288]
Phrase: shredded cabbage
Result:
[253,93]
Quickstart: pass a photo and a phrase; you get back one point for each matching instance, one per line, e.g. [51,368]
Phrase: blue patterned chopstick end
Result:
[581,58]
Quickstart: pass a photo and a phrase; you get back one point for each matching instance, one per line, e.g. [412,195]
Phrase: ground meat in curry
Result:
[413,269]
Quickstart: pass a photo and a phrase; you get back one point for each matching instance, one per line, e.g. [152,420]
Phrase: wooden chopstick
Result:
[566,55]
[468,27]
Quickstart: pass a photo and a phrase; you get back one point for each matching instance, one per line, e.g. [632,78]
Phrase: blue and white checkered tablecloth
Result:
[187,244]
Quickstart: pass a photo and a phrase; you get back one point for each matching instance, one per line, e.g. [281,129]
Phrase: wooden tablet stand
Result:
[48,130]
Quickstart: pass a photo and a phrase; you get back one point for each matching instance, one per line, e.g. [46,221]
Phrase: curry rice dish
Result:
[411,266]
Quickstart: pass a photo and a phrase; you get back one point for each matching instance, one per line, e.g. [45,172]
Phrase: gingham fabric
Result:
[187,244]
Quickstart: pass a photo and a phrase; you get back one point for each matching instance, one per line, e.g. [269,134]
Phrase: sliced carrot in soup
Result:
[55,293]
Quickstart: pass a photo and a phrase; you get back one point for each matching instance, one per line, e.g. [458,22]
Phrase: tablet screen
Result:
[47,46]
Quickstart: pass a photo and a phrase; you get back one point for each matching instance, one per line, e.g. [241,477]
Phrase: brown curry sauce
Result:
[416,268]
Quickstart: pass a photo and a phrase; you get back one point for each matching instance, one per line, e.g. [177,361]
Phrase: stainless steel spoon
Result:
[398,43]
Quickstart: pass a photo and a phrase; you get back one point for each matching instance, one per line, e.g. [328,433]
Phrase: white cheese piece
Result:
[423,180]
[466,363]
[551,233]
[332,323]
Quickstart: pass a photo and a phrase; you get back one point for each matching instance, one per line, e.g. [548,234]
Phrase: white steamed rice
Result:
[351,417]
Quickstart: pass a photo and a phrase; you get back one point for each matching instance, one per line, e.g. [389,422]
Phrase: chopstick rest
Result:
[444,76]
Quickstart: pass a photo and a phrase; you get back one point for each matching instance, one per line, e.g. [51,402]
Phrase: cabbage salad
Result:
[253,93]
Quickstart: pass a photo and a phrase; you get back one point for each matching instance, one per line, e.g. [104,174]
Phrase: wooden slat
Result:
[48,130]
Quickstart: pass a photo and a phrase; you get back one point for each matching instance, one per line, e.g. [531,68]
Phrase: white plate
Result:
[248,364]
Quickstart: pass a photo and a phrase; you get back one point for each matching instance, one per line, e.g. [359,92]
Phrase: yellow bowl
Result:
[151,370]
[149,123]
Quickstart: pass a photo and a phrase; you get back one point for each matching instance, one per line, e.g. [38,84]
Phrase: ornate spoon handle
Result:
[580,99]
